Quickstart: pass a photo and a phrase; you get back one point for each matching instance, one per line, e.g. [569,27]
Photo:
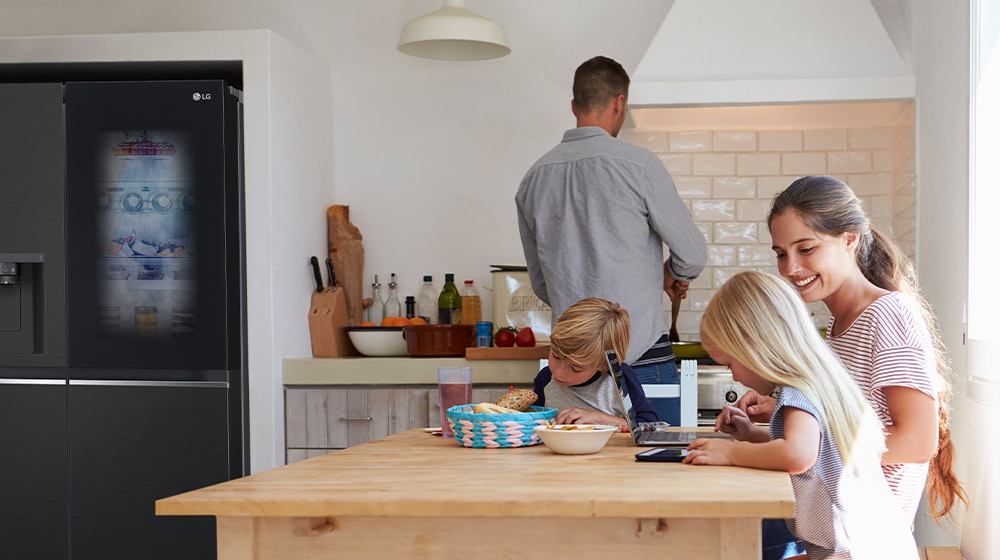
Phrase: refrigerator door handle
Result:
[140,383]
[12,381]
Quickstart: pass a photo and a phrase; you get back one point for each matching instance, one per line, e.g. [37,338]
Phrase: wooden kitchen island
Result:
[414,495]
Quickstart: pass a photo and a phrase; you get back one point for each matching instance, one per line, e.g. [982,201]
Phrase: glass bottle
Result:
[377,312]
[471,304]
[392,308]
[450,302]
[427,301]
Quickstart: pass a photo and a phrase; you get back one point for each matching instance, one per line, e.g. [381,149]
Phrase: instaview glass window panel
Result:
[145,215]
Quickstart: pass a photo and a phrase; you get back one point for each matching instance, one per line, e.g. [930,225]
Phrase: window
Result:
[983,327]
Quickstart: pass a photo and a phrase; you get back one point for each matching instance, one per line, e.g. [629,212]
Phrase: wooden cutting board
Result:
[514,353]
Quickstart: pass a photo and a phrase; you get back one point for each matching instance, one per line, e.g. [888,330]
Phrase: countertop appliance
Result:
[716,389]
[122,343]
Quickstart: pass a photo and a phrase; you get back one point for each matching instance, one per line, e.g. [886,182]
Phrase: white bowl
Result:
[575,439]
[378,341]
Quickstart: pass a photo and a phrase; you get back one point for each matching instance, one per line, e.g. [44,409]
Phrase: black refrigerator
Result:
[122,314]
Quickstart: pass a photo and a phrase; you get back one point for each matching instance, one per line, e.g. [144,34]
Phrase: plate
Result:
[161,201]
[131,202]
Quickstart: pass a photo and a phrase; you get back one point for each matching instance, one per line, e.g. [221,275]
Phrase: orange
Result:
[394,322]
[418,321]
[367,324]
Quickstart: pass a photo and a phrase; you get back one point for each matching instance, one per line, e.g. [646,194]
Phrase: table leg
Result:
[236,538]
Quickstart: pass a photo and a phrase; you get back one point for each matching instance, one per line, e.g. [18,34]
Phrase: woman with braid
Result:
[881,328]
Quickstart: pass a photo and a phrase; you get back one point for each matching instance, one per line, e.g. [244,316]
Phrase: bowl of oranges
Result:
[384,339]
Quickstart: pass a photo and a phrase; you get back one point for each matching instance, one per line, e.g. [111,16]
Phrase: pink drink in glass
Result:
[454,388]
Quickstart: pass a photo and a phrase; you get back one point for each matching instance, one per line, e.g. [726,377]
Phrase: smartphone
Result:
[662,454]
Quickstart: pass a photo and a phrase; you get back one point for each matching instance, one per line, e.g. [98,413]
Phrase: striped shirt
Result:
[841,513]
[889,346]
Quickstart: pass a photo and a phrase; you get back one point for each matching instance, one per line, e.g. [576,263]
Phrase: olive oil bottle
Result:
[449,302]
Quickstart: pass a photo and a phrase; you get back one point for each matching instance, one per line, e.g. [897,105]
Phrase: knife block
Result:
[328,324]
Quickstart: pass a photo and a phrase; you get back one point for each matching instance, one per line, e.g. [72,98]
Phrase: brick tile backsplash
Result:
[827,140]
[781,140]
[691,141]
[728,177]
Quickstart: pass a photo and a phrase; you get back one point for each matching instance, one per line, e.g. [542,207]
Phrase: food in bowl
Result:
[575,439]
[378,341]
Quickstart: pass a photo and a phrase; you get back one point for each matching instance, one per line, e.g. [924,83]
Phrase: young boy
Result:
[576,380]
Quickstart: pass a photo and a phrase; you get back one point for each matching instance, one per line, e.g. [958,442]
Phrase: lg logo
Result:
[201,96]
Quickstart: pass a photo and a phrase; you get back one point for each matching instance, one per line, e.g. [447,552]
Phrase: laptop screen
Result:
[615,369]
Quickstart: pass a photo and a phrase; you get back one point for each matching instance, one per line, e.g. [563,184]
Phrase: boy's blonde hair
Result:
[761,322]
[587,329]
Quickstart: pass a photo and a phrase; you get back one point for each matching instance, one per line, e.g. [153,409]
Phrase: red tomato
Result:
[525,337]
[505,337]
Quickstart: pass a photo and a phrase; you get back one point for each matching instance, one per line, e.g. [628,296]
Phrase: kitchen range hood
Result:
[731,52]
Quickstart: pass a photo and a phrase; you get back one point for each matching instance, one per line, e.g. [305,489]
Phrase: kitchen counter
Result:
[413,495]
[401,371]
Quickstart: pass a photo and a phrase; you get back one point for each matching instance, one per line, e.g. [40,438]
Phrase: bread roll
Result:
[520,400]
[490,408]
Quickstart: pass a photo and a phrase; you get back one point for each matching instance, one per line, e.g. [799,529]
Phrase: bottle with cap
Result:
[471,304]
[450,302]
[411,307]
[377,309]
[392,306]
[427,301]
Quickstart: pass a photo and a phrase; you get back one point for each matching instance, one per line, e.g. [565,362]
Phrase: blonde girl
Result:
[823,432]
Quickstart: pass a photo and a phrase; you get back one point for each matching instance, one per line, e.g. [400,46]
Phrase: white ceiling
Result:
[753,51]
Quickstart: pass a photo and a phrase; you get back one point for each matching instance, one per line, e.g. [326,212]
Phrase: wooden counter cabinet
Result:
[321,419]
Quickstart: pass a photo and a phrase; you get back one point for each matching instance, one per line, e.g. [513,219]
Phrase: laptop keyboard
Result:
[671,437]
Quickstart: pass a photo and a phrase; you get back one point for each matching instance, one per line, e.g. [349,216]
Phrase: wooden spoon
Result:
[675,308]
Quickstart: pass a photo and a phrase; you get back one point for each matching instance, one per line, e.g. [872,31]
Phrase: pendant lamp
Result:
[453,33]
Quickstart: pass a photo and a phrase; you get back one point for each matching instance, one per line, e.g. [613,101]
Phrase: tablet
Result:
[662,454]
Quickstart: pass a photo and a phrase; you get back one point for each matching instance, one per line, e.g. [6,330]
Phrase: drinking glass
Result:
[454,388]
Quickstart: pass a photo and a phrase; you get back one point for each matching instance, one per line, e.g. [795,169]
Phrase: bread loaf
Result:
[490,408]
[519,400]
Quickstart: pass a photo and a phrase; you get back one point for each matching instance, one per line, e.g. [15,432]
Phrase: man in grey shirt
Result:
[594,213]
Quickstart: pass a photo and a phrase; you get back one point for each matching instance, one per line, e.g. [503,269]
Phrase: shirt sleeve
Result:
[541,380]
[644,411]
[530,248]
[670,219]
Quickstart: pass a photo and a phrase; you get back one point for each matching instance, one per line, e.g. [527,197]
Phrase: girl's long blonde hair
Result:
[759,321]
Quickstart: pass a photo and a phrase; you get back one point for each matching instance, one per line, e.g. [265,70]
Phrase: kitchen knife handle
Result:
[319,279]
[329,272]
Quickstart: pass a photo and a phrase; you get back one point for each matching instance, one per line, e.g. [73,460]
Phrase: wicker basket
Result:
[497,430]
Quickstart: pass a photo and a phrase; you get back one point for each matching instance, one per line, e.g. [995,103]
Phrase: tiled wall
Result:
[728,177]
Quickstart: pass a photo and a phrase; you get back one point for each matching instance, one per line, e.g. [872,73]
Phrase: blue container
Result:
[484,334]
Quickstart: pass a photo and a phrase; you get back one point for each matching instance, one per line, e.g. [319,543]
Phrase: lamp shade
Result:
[453,33]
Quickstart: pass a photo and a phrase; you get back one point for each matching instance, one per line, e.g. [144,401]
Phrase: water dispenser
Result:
[21,303]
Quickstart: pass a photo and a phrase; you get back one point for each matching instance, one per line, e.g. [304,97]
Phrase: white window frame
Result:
[983,307]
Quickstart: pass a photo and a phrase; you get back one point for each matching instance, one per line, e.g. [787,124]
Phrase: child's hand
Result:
[710,451]
[758,407]
[734,422]
[576,415]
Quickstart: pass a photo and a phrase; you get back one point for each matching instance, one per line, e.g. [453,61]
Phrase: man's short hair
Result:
[598,81]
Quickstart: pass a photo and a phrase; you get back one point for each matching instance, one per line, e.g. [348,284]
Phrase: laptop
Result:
[649,437]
